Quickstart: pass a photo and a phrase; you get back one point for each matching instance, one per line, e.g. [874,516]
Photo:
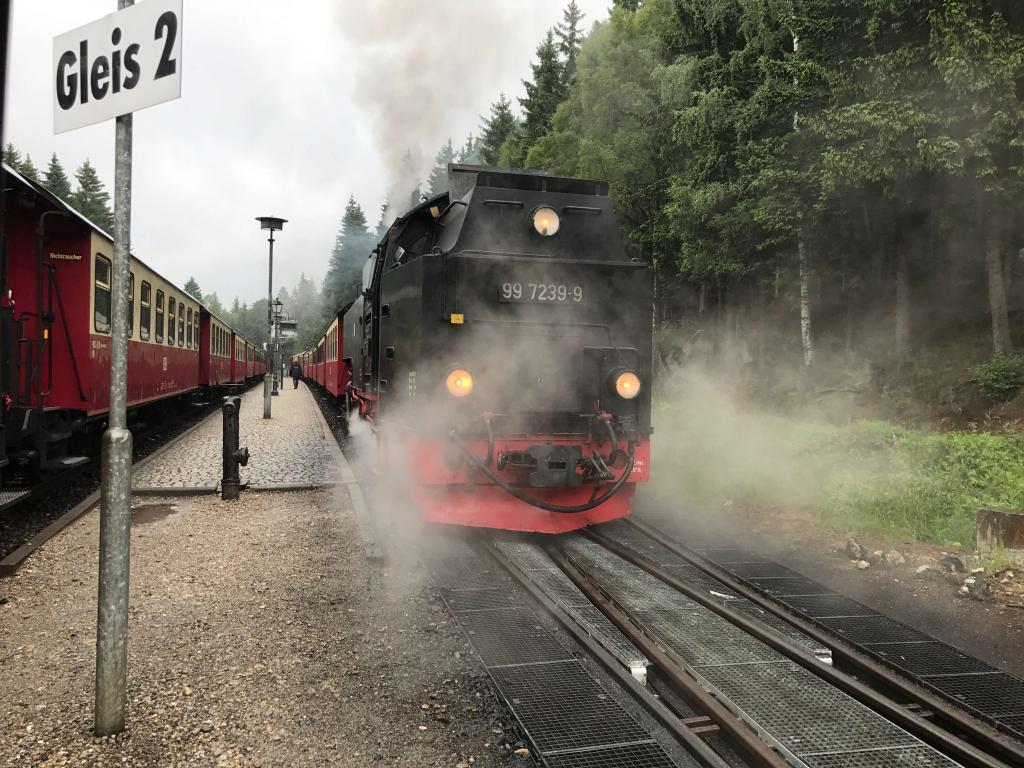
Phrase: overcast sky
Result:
[287,108]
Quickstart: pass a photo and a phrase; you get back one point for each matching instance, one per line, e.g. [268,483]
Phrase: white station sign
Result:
[121,63]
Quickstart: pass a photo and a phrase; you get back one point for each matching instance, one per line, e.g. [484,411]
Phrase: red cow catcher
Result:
[501,350]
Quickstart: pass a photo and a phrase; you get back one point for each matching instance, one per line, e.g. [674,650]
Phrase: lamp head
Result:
[271,222]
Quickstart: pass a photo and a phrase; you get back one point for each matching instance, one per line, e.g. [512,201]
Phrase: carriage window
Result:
[145,294]
[171,317]
[195,330]
[101,297]
[188,329]
[131,305]
[181,325]
[160,317]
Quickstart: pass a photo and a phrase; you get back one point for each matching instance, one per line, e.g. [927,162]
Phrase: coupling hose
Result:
[537,502]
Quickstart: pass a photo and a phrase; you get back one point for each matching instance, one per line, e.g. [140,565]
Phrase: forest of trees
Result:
[823,179]
[846,169]
[89,197]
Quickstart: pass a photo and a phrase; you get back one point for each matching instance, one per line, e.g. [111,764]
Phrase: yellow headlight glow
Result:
[546,221]
[459,383]
[627,384]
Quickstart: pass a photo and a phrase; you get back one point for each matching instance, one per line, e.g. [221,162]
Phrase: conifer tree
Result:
[629,5]
[91,199]
[351,248]
[470,152]
[570,35]
[383,224]
[56,180]
[212,303]
[496,129]
[438,181]
[28,169]
[543,95]
[192,289]
[11,156]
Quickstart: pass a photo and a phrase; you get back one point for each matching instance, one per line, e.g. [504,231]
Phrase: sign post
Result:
[118,64]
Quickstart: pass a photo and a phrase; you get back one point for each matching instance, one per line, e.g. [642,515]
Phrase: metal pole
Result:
[115,487]
[268,376]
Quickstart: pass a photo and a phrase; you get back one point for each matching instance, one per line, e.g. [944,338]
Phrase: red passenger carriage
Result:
[55,301]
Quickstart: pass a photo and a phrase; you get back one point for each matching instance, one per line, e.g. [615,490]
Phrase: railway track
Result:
[761,686]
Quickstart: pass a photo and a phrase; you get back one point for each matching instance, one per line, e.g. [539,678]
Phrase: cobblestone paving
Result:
[290,448]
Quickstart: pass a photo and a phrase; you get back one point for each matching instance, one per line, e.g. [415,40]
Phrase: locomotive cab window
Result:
[101,296]
[145,295]
[160,317]
[368,271]
[171,317]
[412,242]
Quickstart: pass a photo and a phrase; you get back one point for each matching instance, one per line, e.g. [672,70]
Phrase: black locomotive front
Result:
[504,347]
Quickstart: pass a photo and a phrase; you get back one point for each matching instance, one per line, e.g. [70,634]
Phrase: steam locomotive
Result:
[501,351]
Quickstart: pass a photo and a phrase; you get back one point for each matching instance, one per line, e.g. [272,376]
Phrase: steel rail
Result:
[690,741]
[929,733]
[981,733]
[751,746]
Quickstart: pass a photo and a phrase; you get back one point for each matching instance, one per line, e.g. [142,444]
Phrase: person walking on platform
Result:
[296,373]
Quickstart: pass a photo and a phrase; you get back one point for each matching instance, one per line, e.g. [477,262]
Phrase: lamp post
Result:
[276,341]
[273,224]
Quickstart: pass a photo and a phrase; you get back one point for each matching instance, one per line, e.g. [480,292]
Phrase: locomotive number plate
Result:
[541,293]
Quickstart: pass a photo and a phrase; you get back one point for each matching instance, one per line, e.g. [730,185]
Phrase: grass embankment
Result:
[864,478]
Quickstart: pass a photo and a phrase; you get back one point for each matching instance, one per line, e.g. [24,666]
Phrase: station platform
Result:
[260,633]
[294,449]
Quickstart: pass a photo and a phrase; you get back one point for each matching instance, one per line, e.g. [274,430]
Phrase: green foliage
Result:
[28,169]
[496,129]
[11,155]
[352,247]
[866,478]
[213,303]
[438,181]
[192,288]
[469,154]
[91,199]
[1000,378]
[569,35]
[56,180]
[543,93]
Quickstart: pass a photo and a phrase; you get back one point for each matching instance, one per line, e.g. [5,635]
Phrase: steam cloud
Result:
[426,70]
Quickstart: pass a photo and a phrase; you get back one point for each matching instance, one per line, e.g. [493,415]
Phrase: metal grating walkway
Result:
[569,719]
[537,566]
[811,722]
[983,690]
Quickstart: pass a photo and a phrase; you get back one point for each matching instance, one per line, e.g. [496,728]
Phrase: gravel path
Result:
[290,448]
[260,636]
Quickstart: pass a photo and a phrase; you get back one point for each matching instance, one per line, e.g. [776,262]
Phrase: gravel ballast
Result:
[259,636]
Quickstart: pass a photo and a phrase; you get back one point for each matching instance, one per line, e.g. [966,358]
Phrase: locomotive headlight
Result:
[459,382]
[627,385]
[546,221]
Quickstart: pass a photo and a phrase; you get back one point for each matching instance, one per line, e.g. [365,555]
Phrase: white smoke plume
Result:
[427,70]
